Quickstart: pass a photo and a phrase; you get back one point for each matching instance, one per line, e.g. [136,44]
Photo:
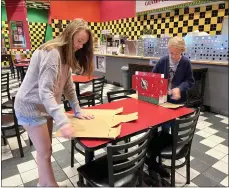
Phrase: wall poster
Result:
[18,35]
[100,64]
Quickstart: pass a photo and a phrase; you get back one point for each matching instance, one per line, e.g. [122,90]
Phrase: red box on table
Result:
[150,87]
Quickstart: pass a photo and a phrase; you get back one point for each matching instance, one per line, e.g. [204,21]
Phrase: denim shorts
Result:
[31,121]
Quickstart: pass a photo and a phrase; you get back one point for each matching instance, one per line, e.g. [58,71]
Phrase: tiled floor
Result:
[209,155]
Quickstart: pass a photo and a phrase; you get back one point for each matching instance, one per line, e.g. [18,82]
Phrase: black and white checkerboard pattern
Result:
[209,155]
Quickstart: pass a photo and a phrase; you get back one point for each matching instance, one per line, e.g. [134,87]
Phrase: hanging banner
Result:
[142,6]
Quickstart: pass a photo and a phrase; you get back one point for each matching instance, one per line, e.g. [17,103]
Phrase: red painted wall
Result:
[114,10]
[68,10]
[16,11]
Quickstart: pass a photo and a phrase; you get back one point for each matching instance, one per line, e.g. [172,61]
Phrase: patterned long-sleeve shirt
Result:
[47,78]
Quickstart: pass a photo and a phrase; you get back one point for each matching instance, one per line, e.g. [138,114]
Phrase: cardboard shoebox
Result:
[150,87]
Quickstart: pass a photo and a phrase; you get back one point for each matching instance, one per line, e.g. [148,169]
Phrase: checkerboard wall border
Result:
[5,33]
[173,23]
[37,34]
[59,25]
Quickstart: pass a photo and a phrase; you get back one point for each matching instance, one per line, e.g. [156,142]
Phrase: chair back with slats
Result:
[6,58]
[183,132]
[123,164]
[98,85]
[5,90]
[86,100]
[83,101]
[121,94]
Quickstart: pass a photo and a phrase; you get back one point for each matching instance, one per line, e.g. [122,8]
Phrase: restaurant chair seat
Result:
[7,120]
[117,168]
[7,105]
[182,136]
[181,151]
[87,93]
[10,128]
[90,172]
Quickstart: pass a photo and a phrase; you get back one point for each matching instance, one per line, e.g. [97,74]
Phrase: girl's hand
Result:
[67,130]
[81,115]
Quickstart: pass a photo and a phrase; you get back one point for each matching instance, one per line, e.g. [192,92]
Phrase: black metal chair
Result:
[121,94]
[117,169]
[8,58]
[5,91]
[83,101]
[10,128]
[97,89]
[182,135]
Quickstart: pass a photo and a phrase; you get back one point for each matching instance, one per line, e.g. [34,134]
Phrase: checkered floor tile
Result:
[209,155]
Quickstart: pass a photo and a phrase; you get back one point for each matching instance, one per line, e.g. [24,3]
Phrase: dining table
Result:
[149,116]
[21,69]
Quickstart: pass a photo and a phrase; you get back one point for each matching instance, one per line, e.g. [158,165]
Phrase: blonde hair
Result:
[177,42]
[82,58]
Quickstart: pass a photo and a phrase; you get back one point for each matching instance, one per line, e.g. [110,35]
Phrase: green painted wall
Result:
[4,16]
[48,35]
[40,15]
[34,15]
[37,15]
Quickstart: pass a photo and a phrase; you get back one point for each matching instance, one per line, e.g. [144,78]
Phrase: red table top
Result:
[22,64]
[82,79]
[149,115]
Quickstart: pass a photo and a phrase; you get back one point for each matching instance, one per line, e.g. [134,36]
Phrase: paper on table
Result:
[135,96]
[99,121]
[96,132]
[103,111]
[171,105]
[100,126]
[117,119]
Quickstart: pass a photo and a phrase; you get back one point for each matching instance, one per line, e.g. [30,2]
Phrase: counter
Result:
[157,58]
[216,84]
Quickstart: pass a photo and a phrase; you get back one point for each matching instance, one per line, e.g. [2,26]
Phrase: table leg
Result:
[77,89]
[18,73]
[22,73]
[89,155]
